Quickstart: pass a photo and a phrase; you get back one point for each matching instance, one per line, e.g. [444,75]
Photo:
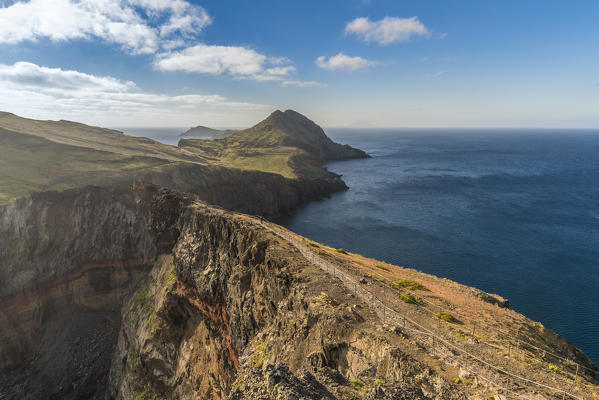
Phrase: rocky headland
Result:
[144,293]
[170,290]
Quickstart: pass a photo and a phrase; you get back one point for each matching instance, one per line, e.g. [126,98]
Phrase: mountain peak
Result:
[292,129]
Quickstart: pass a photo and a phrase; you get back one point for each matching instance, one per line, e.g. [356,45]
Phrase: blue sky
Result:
[378,63]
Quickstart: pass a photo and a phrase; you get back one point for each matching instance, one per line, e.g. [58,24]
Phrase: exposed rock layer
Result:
[145,293]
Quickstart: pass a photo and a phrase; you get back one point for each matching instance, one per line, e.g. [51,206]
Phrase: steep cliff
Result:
[144,293]
[66,262]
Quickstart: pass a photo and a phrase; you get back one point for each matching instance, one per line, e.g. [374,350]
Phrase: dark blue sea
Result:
[512,212]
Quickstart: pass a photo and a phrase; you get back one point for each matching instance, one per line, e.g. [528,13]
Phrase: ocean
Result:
[512,212]
[163,135]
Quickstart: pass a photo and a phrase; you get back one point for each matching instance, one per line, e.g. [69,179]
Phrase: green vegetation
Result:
[445,316]
[323,299]
[408,298]
[134,358]
[552,367]
[146,394]
[341,251]
[260,354]
[379,382]
[237,384]
[381,267]
[407,284]
[143,302]
[172,278]
[29,163]
[457,380]
[356,383]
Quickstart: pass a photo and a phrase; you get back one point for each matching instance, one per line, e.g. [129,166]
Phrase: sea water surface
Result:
[512,212]
[164,135]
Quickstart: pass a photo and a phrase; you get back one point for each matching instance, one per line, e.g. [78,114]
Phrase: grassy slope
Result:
[284,143]
[290,162]
[81,135]
[56,155]
[29,163]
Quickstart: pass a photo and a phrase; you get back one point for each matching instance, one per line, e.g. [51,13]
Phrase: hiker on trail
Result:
[261,219]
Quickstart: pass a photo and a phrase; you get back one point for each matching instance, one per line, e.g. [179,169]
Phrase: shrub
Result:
[313,244]
[445,316]
[356,383]
[381,267]
[408,298]
[341,251]
[553,368]
[408,284]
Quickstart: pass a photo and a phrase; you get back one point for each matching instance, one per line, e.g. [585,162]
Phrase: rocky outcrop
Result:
[221,307]
[66,262]
[235,313]
[145,293]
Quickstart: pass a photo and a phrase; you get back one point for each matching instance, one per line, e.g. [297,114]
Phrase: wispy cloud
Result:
[343,62]
[138,26]
[304,84]
[438,74]
[41,92]
[387,30]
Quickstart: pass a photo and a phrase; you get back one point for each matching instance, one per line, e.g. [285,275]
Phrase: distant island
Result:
[206,132]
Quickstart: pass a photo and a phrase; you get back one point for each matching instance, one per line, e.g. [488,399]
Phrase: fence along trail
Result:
[427,337]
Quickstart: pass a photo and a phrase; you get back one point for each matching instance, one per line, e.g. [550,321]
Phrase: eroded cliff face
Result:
[235,312]
[252,192]
[144,293]
[66,262]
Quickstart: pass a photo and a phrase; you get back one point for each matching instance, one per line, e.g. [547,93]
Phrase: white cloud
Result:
[32,76]
[343,62]
[387,30]
[212,60]
[278,71]
[138,26]
[237,61]
[42,92]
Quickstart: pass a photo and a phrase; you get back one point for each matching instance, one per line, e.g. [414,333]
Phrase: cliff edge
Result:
[144,293]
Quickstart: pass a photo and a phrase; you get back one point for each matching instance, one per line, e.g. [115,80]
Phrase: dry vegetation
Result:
[501,335]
